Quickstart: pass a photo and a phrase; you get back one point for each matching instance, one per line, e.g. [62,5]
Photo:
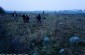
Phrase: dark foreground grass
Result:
[18,37]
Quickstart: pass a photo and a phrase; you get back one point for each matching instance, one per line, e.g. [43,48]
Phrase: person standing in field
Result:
[24,18]
[38,18]
[27,18]
[14,16]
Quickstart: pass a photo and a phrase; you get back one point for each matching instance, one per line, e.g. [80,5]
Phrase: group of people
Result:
[26,18]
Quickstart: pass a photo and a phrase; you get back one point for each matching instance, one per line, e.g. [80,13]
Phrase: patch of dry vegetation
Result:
[19,37]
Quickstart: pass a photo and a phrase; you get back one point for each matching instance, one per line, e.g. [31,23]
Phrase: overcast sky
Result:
[42,4]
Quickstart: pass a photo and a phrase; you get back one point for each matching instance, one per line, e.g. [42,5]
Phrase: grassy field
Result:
[19,37]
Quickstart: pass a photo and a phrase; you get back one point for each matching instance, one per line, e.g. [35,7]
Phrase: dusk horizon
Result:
[40,5]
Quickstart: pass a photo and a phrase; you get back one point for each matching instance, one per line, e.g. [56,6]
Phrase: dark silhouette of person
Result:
[14,16]
[27,18]
[43,12]
[39,18]
[24,18]
[43,15]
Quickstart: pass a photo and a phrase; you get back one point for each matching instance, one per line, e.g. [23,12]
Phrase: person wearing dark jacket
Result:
[27,18]
[24,18]
[14,15]
[39,18]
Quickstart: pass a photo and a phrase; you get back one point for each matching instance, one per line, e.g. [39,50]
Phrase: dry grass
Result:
[16,37]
